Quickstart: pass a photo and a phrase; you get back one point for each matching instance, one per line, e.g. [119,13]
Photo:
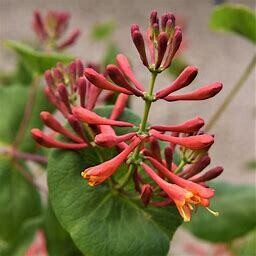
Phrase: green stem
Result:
[231,94]
[142,129]
[180,167]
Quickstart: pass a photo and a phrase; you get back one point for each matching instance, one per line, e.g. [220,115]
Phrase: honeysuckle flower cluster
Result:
[51,28]
[159,180]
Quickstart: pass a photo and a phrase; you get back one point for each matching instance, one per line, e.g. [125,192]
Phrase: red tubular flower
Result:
[52,123]
[119,106]
[90,117]
[183,80]
[196,189]
[124,65]
[101,82]
[181,197]
[110,140]
[146,194]
[82,86]
[202,93]
[49,142]
[209,175]
[117,77]
[189,126]
[97,174]
[192,142]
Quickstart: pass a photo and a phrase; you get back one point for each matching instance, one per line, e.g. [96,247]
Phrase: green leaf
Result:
[36,61]
[100,220]
[236,205]
[58,240]
[13,102]
[101,31]
[23,239]
[247,246]
[235,18]
[19,200]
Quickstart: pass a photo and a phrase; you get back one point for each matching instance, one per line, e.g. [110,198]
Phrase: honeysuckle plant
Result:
[116,184]
[154,170]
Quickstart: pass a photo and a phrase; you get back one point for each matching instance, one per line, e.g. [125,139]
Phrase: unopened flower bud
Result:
[162,41]
[82,85]
[62,90]
[209,175]
[203,93]
[70,40]
[49,78]
[146,194]
[184,79]
[168,153]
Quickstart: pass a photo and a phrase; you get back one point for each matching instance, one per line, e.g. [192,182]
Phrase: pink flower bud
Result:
[70,40]
[183,80]
[146,194]
[110,140]
[196,167]
[192,142]
[49,142]
[52,123]
[101,82]
[92,118]
[138,41]
[209,175]
[165,18]
[124,65]
[203,93]
[92,96]
[82,85]
[189,126]
[173,47]
[63,93]
[98,174]
[162,41]
[117,77]
[121,103]
[58,76]
[134,27]
[79,68]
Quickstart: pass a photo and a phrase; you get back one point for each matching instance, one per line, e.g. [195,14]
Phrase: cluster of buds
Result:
[74,91]
[163,39]
[51,28]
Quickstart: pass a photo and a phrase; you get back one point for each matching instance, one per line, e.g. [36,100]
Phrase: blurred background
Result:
[218,56]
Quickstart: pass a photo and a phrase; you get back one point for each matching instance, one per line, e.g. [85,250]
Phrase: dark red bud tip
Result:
[209,175]
[101,82]
[196,168]
[168,153]
[162,41]
[202,93]
[153,18]
[82,85]
[49,78]
[184,79]
[49,142]
[70,40]
[140,45]
[165,18]
[124,65]
[134,27]
[117,77]
[146,194]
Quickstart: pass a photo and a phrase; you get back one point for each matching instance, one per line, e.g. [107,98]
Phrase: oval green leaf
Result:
[235,18]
